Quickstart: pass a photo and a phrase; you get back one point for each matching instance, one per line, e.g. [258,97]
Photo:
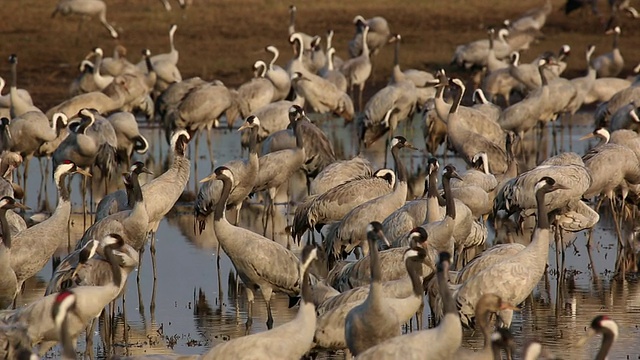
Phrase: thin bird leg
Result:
[210,148]
[140,257]
[152,304]
[360,97]
[419,316]
[43,182]
[84,203]
[152,247]
[25,175]
[89,338]
[617,225]
[195,163]
[250,300]
[269,315]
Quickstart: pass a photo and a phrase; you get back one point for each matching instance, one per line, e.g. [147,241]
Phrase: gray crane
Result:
[602,324]
[611,63]
[121,200]
[97,100]
[299,332]
[15,343]
[414,212]
[276,168]
[513,279]
[378,37]
[101,81]
[358,69]
[260,262]
[340,172]
[583,84]
[488,305]
[373,321]
[336,203]
[322,96]
[172,96]
[403,296]
[8,279]
[33,247]
[86,9]
[5,100]
[170,57]
[351,231]
[475,53]
[331,72]
[162,192]
[278,76]
[390,105]
[257,92]
[19,105]
[132,224]
[129,138]
[273,119]
[87,303]
[467,143]
[443,340]
[306,39]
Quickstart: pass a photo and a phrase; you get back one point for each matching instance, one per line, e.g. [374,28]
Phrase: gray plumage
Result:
[475,53]
[351,231]
[612,168]
[161,193]
[514,278]
[34,246]
[440,342]
[372,321]
[18,105]
[128,135]
[8,279]
[583,84]
[97,100]
[273,118]
[611,63]
[14,342]
[331,73]
[123,199]
[260,262]
[305,39]
[358,69]
[86,8]
[171,97]
[87,303]
[256,93]
[322,96]
[390,105]
[377,38]
[517,195]
[468,144]
[269,345]
[278,76]
[340,172]
[244,172]
[93,143]
[623,97]
[334,204]
[626,117]
[5,100]
[101,81]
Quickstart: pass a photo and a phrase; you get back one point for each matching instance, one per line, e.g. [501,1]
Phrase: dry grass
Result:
[221,39]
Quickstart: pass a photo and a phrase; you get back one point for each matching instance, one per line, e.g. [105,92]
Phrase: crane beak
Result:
[583,340]
[588,136]
[22,206]
[410,146]
[208,178]
[243,126]
[83,172]
[147,171]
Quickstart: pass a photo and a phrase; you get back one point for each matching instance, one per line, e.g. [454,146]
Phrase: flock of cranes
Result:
[403,249]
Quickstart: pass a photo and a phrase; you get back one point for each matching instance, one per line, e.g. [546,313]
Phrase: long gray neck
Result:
[298,134]
[136,191]
[307,293]
[6,231]
[400,169]
[218,212]
[68,350]
[542,76]
[376,273]
[115,267]
[448,197]
[543,217]
[253,141]
[414,268]
[433,184]
[607,342]
[63,191]
[447,300]
[456,102]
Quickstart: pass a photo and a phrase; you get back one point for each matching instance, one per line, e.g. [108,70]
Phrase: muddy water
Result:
[192,305]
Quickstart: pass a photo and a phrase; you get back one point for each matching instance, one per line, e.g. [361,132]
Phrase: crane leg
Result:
[84,203]
[210,148]
[152,248]
[195,163]
[250,300]
[360,97]
[25,176]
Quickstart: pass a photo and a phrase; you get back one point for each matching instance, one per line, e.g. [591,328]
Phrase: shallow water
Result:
[191,307]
